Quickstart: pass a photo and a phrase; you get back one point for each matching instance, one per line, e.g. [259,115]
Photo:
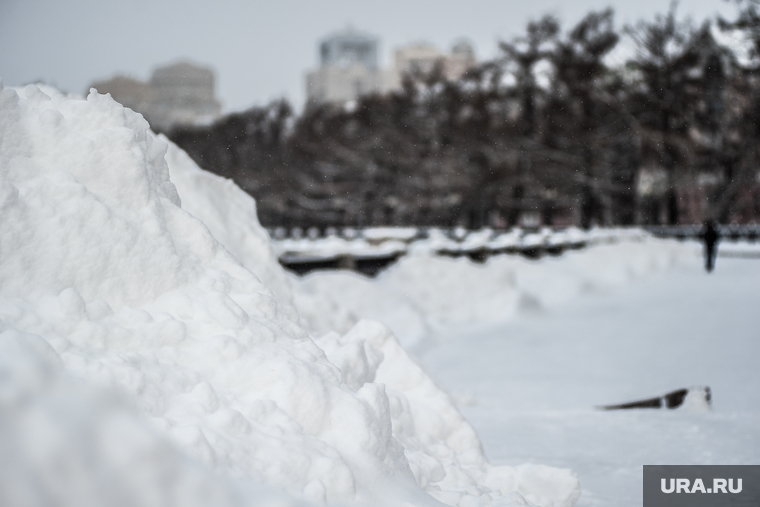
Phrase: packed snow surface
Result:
[530,386]
[146,363]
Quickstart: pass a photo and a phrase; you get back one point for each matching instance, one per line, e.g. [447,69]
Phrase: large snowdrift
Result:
[63,443]
[107,285]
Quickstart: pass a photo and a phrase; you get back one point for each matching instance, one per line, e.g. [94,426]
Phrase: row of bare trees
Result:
[655,123]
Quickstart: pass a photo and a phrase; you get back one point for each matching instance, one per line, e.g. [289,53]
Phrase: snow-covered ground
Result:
[387,241]
[530,386]
[153,352]
[424,296]
[150,353]
[739,249]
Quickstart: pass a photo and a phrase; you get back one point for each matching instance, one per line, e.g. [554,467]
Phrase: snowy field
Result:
[154,353]
[530,386]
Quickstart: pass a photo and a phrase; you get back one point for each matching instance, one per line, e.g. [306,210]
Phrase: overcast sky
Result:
[259,50]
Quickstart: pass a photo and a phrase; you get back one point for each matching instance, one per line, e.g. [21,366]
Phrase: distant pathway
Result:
[529,387]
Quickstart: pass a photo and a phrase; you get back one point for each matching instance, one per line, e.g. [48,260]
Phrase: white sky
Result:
[259,50]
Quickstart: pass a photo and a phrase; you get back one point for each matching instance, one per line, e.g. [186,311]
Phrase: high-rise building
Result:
[423,57]
[460,60]
[184,95]
[181,93]
[348,68]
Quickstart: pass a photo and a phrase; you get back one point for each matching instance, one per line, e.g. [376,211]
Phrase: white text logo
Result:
[718,486]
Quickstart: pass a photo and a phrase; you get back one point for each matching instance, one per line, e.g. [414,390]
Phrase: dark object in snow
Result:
[672,399]
[710,237]
[368,265]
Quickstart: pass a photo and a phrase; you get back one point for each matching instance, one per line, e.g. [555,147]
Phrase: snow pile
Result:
[333,247]
[323,297]
[551,282]
[740,249]
[378,234]
[442,449]
[63,443]
[105,278]
[425,294]
[230,215]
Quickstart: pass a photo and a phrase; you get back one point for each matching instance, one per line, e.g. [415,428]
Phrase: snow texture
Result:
[530,386]
[425,295]
[107,285]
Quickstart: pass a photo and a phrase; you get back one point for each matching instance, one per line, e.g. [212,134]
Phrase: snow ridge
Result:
[103,274]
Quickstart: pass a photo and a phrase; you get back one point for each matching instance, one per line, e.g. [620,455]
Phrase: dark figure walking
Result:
[710,236]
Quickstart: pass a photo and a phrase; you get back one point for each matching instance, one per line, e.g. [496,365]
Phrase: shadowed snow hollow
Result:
[108,285]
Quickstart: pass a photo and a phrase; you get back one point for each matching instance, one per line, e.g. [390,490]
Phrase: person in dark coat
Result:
[710,237]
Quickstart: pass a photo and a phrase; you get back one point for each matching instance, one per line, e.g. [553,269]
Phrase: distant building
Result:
[181,93]
[349,66]
[348,69]
[460,60]
[129,92]
[416,58]
[423,57]
[184,95]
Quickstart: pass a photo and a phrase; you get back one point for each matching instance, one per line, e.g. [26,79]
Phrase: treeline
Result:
[550,132]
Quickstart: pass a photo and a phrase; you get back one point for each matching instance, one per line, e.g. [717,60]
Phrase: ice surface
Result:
[111,281]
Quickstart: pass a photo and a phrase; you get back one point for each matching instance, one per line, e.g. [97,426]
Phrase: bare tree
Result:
[579,67]
[661,98]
